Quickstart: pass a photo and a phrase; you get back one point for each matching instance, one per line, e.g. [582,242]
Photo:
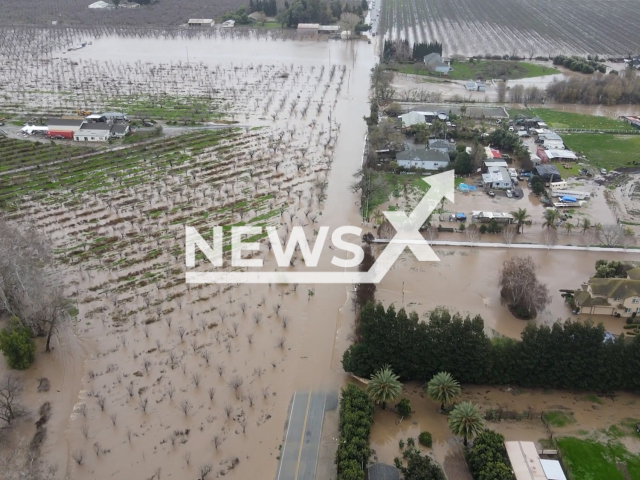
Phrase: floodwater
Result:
[169,405]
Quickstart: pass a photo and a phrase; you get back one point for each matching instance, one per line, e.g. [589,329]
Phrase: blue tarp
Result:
[463,187]
[568,199]
[461,216]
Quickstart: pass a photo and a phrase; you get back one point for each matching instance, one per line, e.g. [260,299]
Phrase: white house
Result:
[423,159]
[93,132]
[412,118]
[497,178]
[441,145]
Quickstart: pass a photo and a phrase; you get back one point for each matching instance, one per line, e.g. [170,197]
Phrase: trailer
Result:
[569,204]
[60,133]
[577,194]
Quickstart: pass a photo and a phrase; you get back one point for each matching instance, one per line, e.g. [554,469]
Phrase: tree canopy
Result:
[384,386]
[567,355]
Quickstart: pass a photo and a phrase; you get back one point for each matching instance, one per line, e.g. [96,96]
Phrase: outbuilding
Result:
[497,178]
[115,116]
[549,173]
[308,27]
[119,130]
[63,127]
[201,22]
[93,132]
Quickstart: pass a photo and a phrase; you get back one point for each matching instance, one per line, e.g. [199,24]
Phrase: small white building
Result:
[93,132]
[201,22]
[486,217]
[100,4]
[561,155]
[412,118]
[527,464]
[309,27]
[329,29]
[228,24]
[497,178]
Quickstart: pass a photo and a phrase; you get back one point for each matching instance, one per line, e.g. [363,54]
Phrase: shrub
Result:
[483,228]
[17,345]
[404,407]
[356,418]
[425,439]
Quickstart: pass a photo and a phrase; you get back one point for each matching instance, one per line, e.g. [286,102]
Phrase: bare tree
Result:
[78,456]
[612,235]
[206,356]
[196,378]
[10,406]
[285,321]
[204,471]
[235,383]
[220,368]
[508,234]
[211,391]
[113,417]
[257,317]
[142,402]
[550,237]
[520,288]
[181,333]
[228,409]
[185,406]
[216,441]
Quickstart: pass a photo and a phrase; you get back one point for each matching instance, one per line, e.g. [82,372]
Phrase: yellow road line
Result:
[304,428]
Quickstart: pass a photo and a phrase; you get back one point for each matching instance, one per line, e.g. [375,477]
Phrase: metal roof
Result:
[64,122]
[525,461]
[423,155]
[553,469]
[95,126]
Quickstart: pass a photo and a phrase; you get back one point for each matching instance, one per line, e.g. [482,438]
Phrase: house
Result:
[441,145]
[527,464]
[201,22]
[492,164]
[477,86]
[101,5]
[497,178]
[93,132]
[115,116]
[486,217]
[634,62]
[309,27]
[382,471]
[549,173]
[228,24]
[412,118]
[435,62]
[423,159]
[119,130]
[610,296]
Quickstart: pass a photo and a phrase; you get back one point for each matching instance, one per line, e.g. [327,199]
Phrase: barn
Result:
[64,127]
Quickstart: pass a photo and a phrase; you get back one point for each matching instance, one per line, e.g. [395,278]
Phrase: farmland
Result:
[559,119]
[590,459]
[486,69]
[605,151]
[525,29]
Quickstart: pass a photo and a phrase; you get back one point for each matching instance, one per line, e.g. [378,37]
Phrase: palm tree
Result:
[384,386]
[443,388]
[521,217]
[586,225]
[550,216]
[465,421]
[568,227]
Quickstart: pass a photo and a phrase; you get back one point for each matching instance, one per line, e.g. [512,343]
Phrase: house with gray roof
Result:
[441,145]
[382,471]
[435,62]
[423,159]
[610,296]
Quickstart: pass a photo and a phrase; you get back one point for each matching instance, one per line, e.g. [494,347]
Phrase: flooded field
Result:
[160,379]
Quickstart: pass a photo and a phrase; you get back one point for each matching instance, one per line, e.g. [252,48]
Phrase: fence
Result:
[498,414]
[602,130]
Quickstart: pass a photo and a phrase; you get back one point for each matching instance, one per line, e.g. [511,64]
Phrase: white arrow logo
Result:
[407,235]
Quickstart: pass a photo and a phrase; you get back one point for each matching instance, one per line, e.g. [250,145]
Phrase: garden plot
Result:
[524,29]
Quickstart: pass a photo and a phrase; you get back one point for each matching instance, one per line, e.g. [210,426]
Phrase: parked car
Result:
[603,171]
[516,193]
[491,193]
[511,129]
[509,193]
[56,137]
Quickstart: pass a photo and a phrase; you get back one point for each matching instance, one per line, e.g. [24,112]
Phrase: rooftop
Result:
[499,174]
[382,471]
[64,122]
[199,21]
[552,153]
[615,287]
[423,155]
[96,126]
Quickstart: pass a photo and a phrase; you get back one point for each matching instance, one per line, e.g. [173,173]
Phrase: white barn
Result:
[93,132]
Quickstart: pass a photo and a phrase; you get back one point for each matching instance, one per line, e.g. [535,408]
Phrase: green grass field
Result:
[605,151]
[559,419]
[591,460]
[486,69]
[557,119]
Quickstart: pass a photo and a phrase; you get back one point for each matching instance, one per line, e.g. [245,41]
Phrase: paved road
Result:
[299,454]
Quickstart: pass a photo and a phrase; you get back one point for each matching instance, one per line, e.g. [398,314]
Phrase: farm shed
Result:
[497,178]
[412,118]
[201,22]
[561,155]
[549,173]
[423,159]
[328,29]
[435,62]
[113,116]
[525,461]
[93,132]
[95,118]
[69,126]
[308,27]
